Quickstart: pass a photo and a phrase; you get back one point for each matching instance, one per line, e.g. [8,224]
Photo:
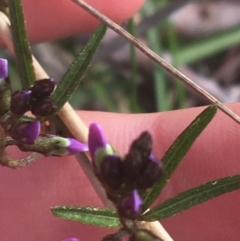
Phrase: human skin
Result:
[27,193]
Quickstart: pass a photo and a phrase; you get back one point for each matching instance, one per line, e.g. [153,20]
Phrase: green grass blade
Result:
[155,43]
[173,43]
[179,149]
[209,46]
[72,77]
[21,44]
[101,217]
[135,108]
[193,197]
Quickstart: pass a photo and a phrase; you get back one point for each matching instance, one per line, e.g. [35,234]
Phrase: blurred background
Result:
[199,38]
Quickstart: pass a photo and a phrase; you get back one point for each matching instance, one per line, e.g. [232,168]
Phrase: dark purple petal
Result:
[96,139]
[26,132]
[3,68]
[151,174]
[134,201]
[32,131]
[20,102]
[43,88]
[71,239]
[43,107]
[143,144]
[131,206]
[111,171]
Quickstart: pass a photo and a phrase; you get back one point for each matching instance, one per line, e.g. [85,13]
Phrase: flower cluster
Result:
[26,134]
[127,178]
[36,99]
[124,178]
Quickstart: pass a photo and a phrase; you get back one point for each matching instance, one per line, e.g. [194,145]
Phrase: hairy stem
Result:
[6,160]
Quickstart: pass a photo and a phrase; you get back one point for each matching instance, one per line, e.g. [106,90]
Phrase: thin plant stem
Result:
[160,83]
[133,79]
[6,160]
[174,50]
[173,71]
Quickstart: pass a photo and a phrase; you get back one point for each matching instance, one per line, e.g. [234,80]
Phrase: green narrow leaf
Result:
[101,217]
[209,46]
[72,77]
[21,44]
[179,149]
[192,197]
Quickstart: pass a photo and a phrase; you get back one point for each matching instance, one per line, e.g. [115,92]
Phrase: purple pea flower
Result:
[70,239]
[134,202]
[43,88]
[32,131]
[96,138]
[3,68]
[131,206]
[20,102]
[151,174]
[98,145]
[26,132]
[66,146]
[111,172]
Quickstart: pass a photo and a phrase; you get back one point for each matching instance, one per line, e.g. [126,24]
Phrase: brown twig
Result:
[118,29]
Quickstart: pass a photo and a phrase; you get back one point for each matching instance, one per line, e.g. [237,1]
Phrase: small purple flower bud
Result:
[71,239]
[3,68]
[111,171]
[151,174]
[43,88]
[43,107]
[51,145]
[133,165]
[131,206]
[98,145]
[143,144]
[26,132]
[66,146]
[20,102]
[96,138]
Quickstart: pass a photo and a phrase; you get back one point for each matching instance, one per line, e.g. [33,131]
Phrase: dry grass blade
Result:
[118,29]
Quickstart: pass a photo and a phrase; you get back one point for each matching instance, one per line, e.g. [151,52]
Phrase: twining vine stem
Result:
[157,59]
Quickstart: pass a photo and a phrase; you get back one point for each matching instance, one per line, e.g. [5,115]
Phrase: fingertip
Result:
[50,19]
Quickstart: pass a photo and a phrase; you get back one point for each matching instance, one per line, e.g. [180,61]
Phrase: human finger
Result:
[53,181]
[50,19]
